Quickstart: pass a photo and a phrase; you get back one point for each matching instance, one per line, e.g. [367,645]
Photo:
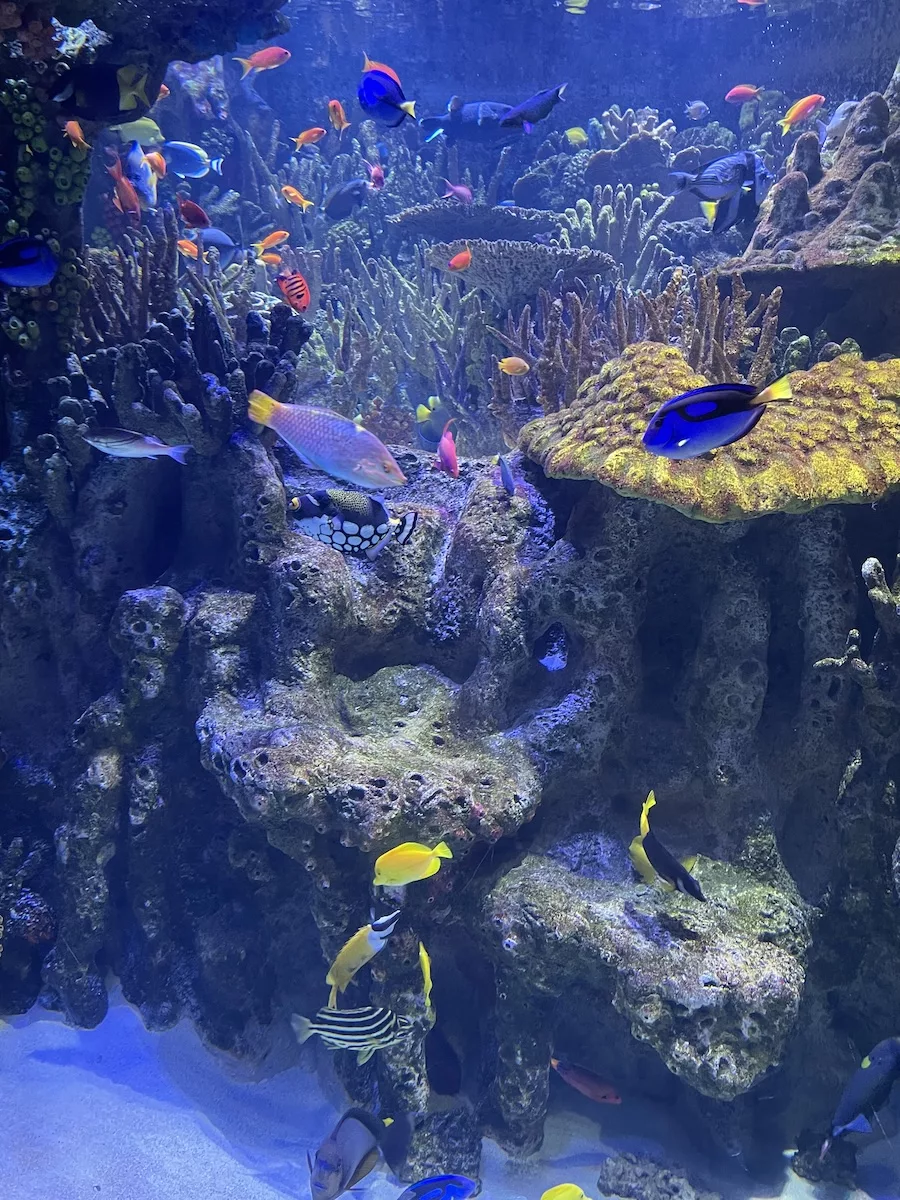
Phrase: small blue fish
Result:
[27,262]
[189,161]
[381,98]
[441,1187]
[384,153]
[506,204]
[709,417]
[506,476]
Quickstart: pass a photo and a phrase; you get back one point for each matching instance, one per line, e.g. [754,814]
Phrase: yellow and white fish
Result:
[356,952]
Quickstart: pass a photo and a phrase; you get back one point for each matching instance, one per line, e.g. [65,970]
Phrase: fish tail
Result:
[442,850]
[708,208]
[216,165]
[561,90]
[261,408]
[332,996]
[179,453]
[409,107]
[645,820]
[784,126]
[406,526]
[246,66]
[302,1027]
[139,90]
[780,390]
[689,863]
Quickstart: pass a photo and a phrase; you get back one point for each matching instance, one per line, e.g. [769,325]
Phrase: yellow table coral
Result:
[837,441]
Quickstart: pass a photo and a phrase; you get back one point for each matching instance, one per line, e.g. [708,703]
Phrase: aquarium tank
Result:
[450,599]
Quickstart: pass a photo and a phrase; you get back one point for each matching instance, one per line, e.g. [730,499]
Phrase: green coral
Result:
[837,442]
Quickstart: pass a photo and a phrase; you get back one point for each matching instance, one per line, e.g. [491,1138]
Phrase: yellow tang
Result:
[408,863]
[425,964]
[146,131]
[356,952]
[564,1191]
[577,136]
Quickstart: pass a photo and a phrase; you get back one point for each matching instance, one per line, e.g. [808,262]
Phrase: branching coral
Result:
[625,225]
[130,283]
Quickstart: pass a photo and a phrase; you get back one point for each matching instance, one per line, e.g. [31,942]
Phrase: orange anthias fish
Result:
[446,452]
[459,262]
[337,116]
[163,92]
[294,197]
[271,240]
[295,290]
[264,60]
[742,94]
[309,137]
[586,1082]
[370,64]
[271,260]
[188,248]
[514,366]
[801,111]
[376,175]
[75,134]
[157,163]
[125,198]
[192,214]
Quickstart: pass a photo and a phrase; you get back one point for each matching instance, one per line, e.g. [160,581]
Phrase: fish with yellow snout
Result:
[653,861]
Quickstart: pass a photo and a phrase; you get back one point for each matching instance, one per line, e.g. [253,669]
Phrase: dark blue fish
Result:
[218,238]
[381,98]
[506,476]
[341,201]
[709,417]
[536,108]
[867,1090]
[719,179]
[477,121]
[27,262]
[441,1187]
[384,153]
[506,204]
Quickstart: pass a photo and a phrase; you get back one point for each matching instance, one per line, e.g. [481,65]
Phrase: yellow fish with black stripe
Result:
[653,861]
[357,951]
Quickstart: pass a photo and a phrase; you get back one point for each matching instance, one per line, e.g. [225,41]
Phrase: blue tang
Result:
[27,262]
[441,1187]
[709,417]
[381,98]
[189,161]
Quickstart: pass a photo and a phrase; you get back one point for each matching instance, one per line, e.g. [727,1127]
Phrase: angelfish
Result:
[357,951]
[352,1150]
[867,1090]
[653,861]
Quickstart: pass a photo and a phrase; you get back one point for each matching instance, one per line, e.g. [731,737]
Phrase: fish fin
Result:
[260,407]
[442,850]
[561,91]
[374,551]
[364,1055]
[215,164]
[409,107]
[140,90]
[407,525]
[640,861]
[179,453]
[689,863]
[395,1141]
[708,208]
[645,809]
[423,413]
[528,127]
[302,1027]
[727,213]
[332,996]
[859,1124]
[779,390]
[246,67]
[784,126]
[437,133]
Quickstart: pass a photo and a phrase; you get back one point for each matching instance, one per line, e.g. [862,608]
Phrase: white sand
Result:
[117,1113]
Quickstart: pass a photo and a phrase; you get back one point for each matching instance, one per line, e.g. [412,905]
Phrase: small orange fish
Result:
[309,137]
[513,366]
[188,248]
[163,92]
[460,261]
[295,290]
[337,116]
[271,240]
[271,260]
[157,163]
[742,94]
[264,60]
[370,64]
[801,111]
[75,134]
[294,197]
[125,198]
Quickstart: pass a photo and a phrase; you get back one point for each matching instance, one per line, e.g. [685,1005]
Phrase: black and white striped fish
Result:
[362,1029]
[351,521]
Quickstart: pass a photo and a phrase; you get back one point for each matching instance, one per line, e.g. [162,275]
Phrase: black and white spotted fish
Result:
[364,1030]
[351,521]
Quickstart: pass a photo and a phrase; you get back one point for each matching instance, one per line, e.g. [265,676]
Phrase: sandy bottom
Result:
[121,1114]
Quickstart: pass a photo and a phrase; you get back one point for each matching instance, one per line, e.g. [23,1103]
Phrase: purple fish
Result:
[457,191]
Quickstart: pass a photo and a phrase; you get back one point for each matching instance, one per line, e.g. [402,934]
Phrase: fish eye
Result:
[657,424]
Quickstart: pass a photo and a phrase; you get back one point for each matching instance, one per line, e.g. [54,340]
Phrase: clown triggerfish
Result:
[351,522]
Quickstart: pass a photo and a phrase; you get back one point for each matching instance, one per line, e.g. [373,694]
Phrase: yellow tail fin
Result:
[785,126]
[140,90]
[689,863]
[261,408]
[708,208]
[645,820]
[442,850]
[409,107]
[246,65]
[779,390]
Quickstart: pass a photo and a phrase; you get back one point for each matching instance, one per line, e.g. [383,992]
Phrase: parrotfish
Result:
[441,1187]
[364,1030]
[585,1081]
[326,440]
[536,108]
[709,417]
[125,443]
[408,863]
[868,1089]
[27,262]
[352,522]
[356,952]
[653,861]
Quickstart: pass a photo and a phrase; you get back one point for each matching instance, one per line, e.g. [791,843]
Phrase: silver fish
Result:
[696,110]
[364,1030]
[125,443]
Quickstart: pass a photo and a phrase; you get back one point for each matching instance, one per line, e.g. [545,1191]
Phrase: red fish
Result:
[125,198]
[586,1082]
[742,94]
[459,262]
[376,176]
[295,290]
[264,60]
[801,111]
[192,214]
[457,191]
[446,452]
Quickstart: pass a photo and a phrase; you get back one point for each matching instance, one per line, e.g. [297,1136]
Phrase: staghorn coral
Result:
[836,442]
[128,284]
[624,225]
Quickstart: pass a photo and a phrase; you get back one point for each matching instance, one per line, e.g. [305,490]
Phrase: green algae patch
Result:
[837,441]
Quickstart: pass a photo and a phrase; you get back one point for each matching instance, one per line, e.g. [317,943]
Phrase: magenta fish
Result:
[457,191]
[446,452]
